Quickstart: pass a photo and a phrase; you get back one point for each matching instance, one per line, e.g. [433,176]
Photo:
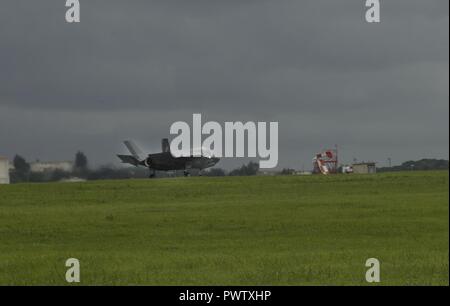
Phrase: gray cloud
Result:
[130,69]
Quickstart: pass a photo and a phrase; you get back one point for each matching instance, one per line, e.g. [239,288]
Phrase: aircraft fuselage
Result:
[166,162]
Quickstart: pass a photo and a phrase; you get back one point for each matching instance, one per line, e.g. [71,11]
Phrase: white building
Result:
[4,170]
[364,168]
[40,167]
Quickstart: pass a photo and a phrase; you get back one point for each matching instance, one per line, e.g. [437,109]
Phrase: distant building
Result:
[347,169]
[364,168]
[40,167]
[4,170]
[266,172]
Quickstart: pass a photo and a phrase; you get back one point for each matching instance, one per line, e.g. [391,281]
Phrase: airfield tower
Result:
[4,170]
[326,162]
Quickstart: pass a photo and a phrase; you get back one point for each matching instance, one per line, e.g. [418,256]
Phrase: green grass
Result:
[282,230]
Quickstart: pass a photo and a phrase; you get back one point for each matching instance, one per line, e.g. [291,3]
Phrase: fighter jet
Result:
[165,161]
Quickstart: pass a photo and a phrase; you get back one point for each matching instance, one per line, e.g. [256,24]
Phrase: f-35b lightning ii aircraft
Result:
[165,161]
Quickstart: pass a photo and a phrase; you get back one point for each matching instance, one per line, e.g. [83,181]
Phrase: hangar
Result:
[364,168]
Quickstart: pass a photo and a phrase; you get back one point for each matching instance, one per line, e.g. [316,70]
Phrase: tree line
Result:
[22,171]
[419,165]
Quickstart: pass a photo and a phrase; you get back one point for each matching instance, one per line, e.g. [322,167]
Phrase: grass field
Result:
[282,230]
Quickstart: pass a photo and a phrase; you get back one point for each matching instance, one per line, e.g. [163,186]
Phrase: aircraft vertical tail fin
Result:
[165,146]
[129,159]
[134,149]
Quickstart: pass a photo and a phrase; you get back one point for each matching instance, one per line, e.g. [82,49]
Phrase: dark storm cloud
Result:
[130,69]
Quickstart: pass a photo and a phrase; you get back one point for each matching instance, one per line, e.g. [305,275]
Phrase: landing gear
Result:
[186,173]
[152,173]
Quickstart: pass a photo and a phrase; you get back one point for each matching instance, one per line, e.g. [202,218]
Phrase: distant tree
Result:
[287,171]
[20,164]
[423,164]
[81,164]
[215,172]
[251,168]
[108,173]
[21,169]
[37,177]
[58,175]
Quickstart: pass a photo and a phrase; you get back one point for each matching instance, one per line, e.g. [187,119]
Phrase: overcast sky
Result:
[132,68]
